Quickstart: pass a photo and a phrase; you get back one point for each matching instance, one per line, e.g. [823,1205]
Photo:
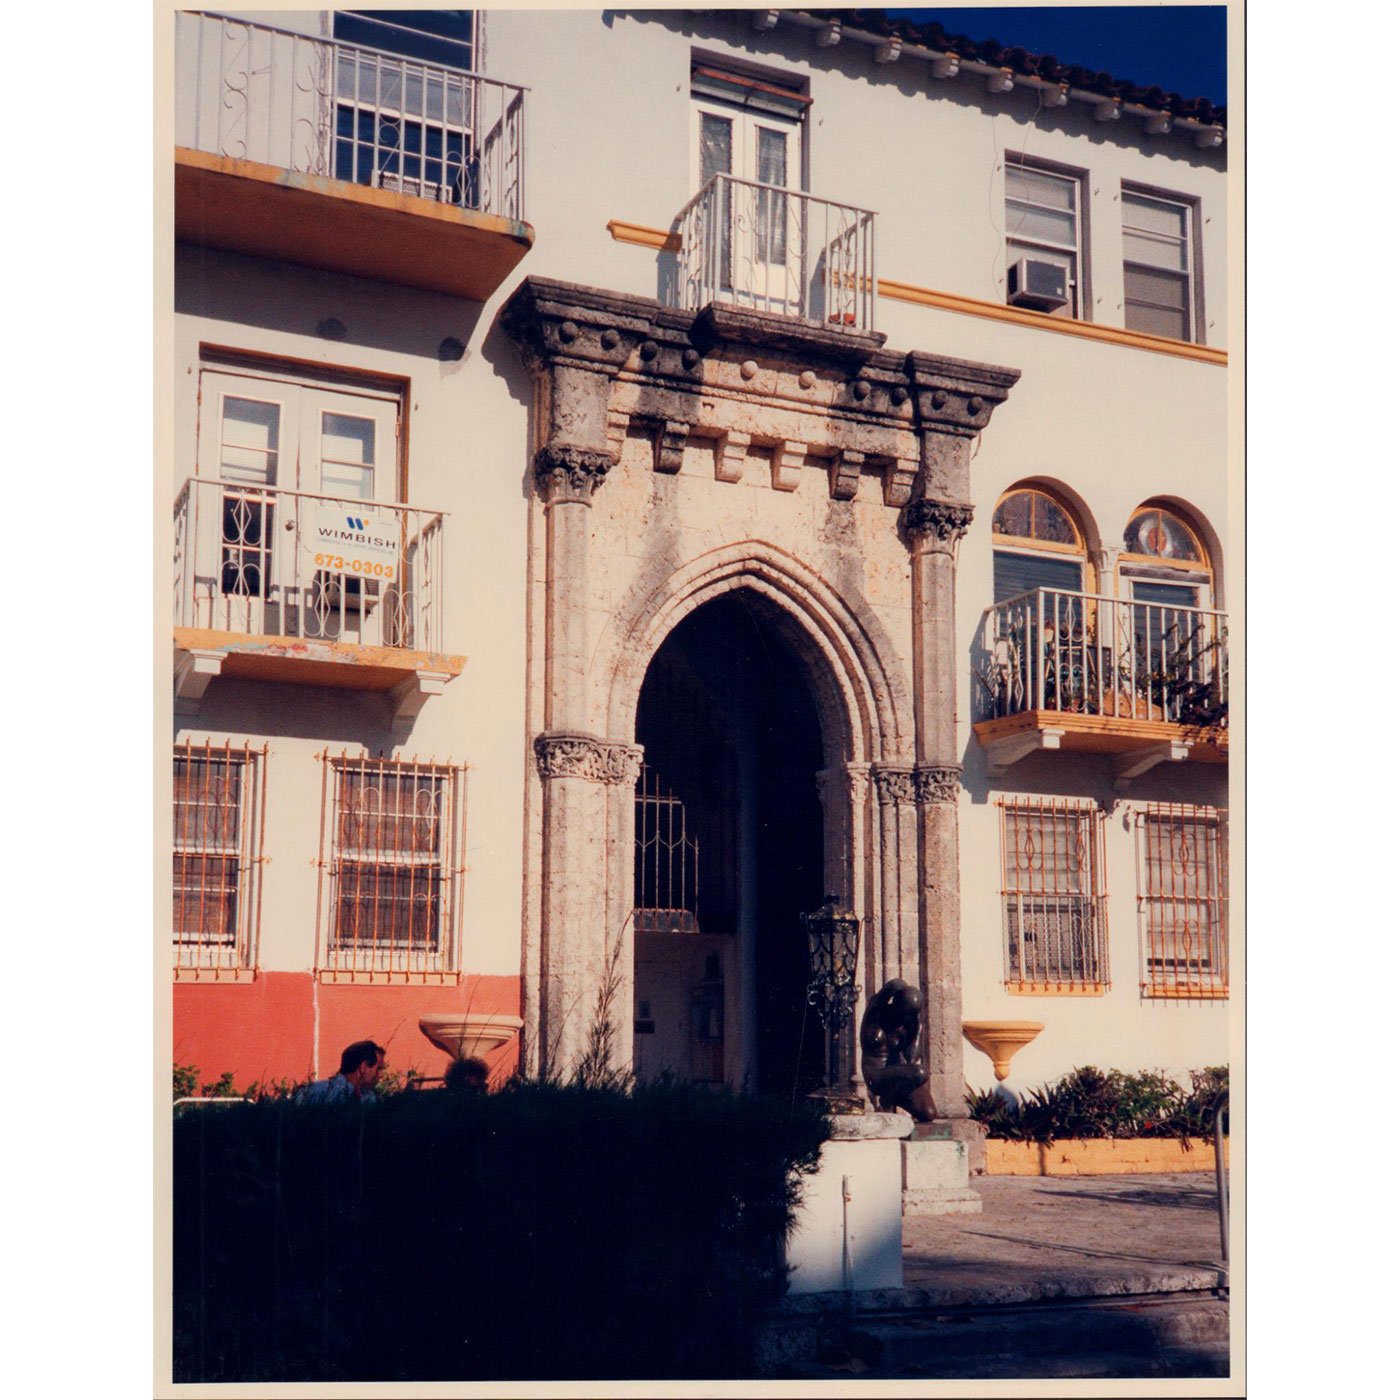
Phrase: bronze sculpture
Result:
[889,1032]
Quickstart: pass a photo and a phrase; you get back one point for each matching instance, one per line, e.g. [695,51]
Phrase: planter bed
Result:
[1100,1156]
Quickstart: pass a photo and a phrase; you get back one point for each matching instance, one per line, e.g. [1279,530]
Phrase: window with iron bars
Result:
[1054,909]
[667,864]
[1183,900]
[217,838]
[393,865]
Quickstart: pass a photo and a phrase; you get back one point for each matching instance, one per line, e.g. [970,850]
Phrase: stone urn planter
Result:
[470,1035]
[1000,1040]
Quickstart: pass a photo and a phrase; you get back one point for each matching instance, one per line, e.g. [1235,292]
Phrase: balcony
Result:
[288,586]
[1143,683]
[780,251]
[342,157]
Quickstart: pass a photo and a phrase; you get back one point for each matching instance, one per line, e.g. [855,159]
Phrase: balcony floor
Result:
[1134,745]
[314,662]
[247,207]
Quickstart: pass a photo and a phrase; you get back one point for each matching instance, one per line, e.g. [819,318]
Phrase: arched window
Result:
[1178,640]
[1164,560]
[1036,543]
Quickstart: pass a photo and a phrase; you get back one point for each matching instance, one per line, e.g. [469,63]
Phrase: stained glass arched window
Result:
[1036,544]
[1157,533]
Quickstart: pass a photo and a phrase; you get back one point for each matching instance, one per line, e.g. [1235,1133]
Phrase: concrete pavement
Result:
[1058,1276]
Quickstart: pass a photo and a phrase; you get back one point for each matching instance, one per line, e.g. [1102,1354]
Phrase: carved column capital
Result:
[937,782]
[857,782]
[583,756]
[894,784]
[940,524]
[564,473]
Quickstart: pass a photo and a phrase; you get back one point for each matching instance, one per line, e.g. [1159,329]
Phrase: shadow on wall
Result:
[307,301]
[287,711]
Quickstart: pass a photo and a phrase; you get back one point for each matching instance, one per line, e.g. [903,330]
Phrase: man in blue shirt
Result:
[361,1064]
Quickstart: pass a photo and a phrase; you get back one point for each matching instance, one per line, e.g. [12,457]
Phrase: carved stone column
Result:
[586,781]
[575,344]
[954,402]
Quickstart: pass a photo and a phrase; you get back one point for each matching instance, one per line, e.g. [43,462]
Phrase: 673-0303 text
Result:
[355,566]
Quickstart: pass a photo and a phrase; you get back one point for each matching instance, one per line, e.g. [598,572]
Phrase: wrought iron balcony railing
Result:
[321,107]
[256,561]
[778,250]
[1113,657]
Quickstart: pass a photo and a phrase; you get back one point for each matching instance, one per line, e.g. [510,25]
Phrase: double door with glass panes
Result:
[756,234]
[295,533]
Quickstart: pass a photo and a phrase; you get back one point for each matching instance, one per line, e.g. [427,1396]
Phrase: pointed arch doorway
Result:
[728,851]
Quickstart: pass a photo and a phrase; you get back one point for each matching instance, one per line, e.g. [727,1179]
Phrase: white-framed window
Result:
[403,125]
[1182,894]
[1054,905]
[392,858]
[275,453]
[217,855]
[1160,283]
[749,132]
[1045,224]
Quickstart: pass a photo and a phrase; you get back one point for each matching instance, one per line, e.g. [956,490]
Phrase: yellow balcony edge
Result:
[337,653]
[389,200]
[643,236]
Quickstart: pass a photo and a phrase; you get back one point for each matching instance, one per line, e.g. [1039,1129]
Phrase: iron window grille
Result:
[218,798]
[667,863]
[393,861]
[1054,909]
[1183,900]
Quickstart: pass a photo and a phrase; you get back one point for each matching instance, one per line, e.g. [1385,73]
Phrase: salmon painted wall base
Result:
[290,1025]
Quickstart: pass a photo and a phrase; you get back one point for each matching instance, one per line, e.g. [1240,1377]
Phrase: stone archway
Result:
[720,433]
[860,699]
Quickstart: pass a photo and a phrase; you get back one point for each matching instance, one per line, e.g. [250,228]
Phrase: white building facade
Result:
[639,472]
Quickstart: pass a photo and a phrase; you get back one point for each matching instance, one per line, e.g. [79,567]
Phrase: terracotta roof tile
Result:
[1021,60]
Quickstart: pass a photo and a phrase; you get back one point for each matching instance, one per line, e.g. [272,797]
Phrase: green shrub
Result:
[543,1232]
[1087,1103]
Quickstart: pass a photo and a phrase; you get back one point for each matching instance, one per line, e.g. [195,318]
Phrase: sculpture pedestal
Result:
[935,1176]
[848,1235]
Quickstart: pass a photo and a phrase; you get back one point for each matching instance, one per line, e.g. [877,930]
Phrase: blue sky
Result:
[1178,47]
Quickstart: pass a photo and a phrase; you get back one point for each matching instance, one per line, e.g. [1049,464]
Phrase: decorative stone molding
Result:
[570,473]
[939,782]
[957,396]
[899,481]
[583,756]
[942,522]
[845,474]
[617,362]
[788,458]
[894,785]
[670,446]
[730,453]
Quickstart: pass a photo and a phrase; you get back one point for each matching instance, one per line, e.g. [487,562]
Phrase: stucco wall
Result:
[608,138]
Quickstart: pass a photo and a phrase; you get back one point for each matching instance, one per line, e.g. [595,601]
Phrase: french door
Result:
[283,467]
[758,225]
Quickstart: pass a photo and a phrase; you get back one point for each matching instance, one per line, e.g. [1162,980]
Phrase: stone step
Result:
[1078,1337]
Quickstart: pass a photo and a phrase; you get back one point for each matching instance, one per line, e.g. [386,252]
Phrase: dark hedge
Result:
[543,1232]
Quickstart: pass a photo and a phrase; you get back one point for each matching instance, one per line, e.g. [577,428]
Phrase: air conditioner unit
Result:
[1034,283]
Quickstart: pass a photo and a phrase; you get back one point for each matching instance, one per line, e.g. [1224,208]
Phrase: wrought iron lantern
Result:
[833,951]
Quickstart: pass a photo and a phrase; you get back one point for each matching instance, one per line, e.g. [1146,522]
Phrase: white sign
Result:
[353,539]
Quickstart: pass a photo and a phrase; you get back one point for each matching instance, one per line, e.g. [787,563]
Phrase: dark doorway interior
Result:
[733,744]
